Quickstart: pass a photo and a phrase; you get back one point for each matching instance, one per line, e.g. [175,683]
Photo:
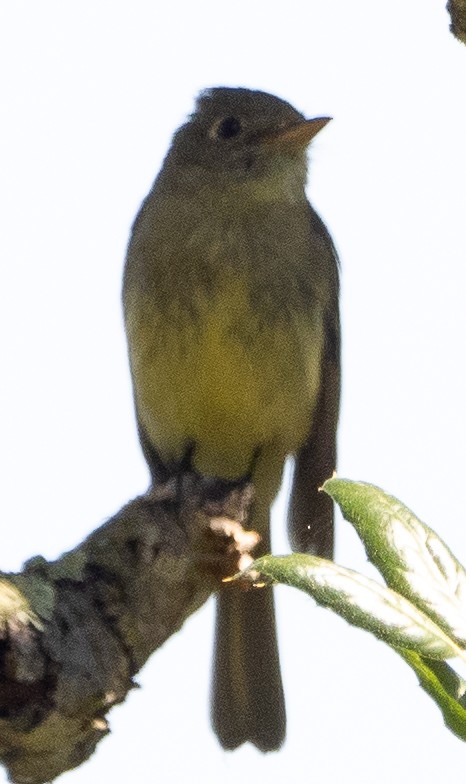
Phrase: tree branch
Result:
[74,632]
[457,11]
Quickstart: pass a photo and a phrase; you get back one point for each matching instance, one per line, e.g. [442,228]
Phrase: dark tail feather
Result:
[247,693]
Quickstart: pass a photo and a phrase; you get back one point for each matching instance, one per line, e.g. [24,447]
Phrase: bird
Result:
[231,309]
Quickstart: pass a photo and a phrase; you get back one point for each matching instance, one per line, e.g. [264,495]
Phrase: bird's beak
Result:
[295,136]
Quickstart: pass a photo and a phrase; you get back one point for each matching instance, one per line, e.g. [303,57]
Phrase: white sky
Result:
[90,94]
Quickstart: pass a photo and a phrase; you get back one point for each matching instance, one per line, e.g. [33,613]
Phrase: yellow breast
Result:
[222,379]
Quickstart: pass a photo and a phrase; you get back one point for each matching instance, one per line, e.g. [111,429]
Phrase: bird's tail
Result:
[247,693]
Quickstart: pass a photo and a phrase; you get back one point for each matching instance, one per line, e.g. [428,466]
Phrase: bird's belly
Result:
[227,383]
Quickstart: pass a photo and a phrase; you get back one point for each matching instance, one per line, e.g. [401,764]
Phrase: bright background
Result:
[91,92]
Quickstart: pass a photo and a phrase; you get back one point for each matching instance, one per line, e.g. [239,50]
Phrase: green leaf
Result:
[361,601]
[445,687]
[411,557]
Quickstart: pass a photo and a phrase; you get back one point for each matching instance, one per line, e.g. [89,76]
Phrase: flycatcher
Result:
[231,311]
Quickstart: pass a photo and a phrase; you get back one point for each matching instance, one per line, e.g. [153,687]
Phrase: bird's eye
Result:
[226,128]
